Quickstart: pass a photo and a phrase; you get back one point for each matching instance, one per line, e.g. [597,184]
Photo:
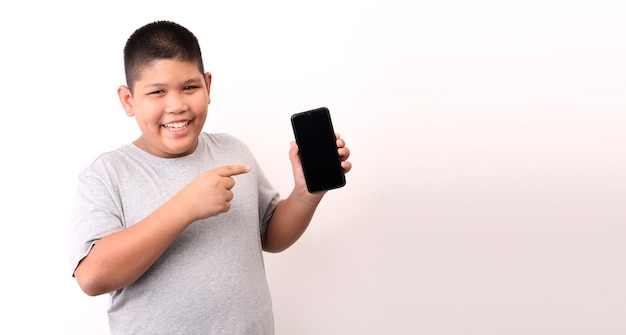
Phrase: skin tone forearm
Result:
[120,258]
[289,221]
[293,215]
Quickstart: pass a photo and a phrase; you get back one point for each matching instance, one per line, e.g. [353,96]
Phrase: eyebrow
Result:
[186,82]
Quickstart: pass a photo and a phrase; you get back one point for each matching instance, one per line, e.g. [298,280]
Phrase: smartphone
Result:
[317,148]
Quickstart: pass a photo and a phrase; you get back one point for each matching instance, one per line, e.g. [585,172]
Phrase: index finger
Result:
[232,170]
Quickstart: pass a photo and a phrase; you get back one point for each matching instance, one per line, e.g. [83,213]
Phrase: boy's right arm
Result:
[120,258]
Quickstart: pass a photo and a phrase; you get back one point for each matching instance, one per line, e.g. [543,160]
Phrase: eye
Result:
[189,88]
[156,92]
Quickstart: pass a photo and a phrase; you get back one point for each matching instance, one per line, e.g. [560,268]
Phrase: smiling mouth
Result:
[177,126]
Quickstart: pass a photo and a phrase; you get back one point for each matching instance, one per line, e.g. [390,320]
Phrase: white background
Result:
[488,194]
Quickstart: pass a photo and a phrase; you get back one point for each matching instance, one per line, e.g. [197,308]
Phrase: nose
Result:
[175,103]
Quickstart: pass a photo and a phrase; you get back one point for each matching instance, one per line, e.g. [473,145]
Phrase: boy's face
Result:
[169,103]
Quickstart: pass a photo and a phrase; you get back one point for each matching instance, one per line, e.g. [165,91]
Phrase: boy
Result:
[173,225]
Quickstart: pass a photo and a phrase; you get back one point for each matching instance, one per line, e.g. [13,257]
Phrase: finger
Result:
[228,182]
[346,166]
[293,155]
[229,196]
[344,153]
[340,143]
[225,207]
[232,170]
[293,148]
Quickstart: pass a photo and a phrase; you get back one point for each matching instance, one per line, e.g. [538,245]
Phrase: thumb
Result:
[294,157]
[232,170]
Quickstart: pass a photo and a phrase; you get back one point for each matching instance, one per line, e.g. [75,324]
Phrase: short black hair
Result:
[156,41]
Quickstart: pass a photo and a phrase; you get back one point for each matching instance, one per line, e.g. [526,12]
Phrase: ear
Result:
[126,98]
[207,80]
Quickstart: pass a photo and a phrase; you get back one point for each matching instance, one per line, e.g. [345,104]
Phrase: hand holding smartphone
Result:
[317,148]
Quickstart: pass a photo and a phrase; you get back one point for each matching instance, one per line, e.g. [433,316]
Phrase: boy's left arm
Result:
[293,214]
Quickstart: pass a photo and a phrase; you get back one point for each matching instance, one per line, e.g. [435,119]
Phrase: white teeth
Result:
[176,125]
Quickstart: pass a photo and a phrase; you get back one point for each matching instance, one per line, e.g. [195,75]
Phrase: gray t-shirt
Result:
[211,279]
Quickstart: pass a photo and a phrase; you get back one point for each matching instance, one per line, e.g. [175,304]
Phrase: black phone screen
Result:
[317,148]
